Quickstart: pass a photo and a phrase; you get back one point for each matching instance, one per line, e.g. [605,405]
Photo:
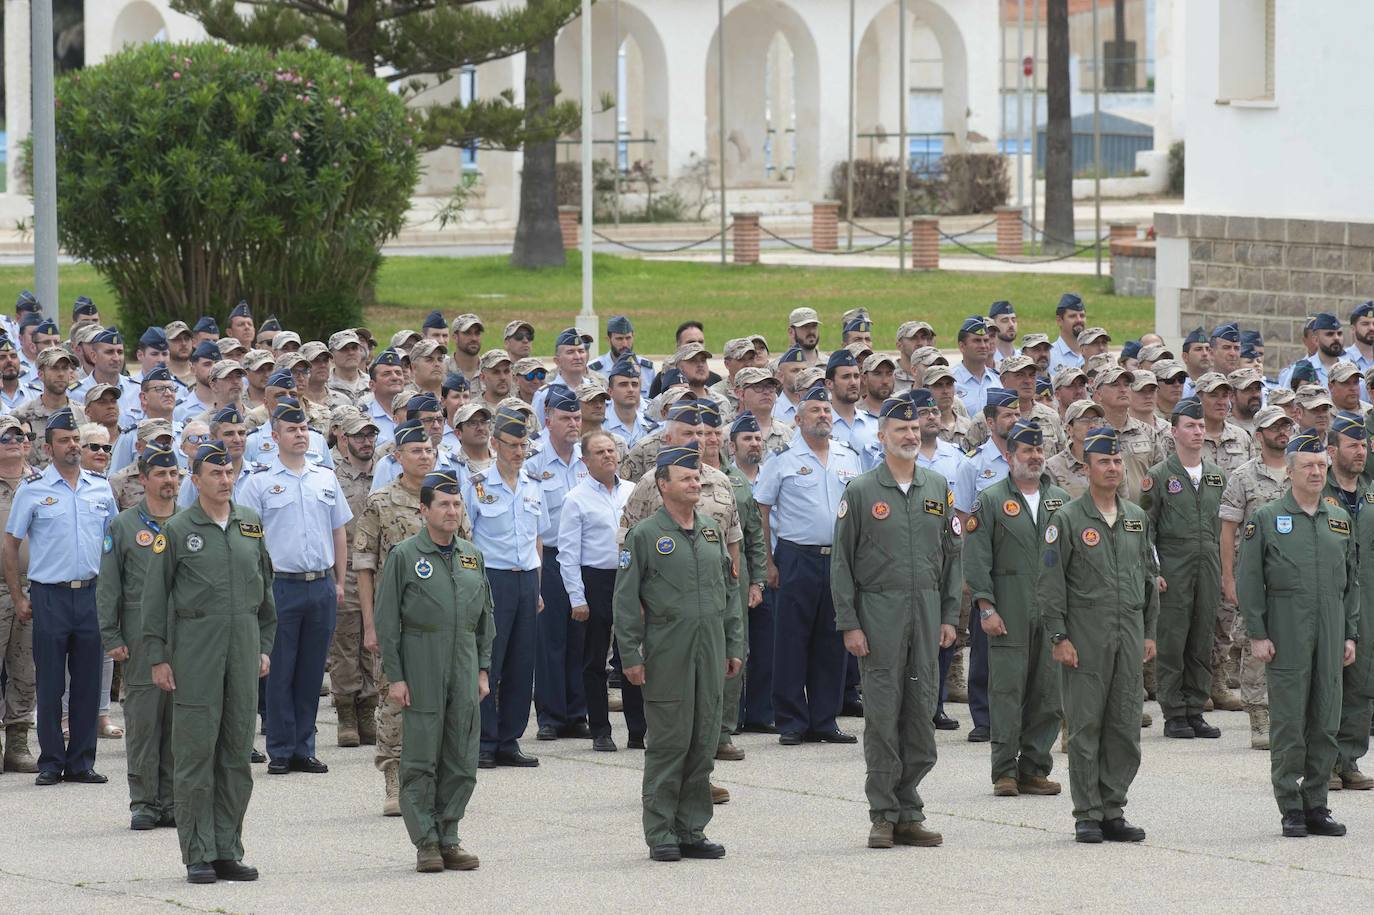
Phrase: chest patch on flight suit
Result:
[107,544]
[1011,508]
[1147,484]
[881,510]
[1091,536]
[843,509]
[143,538]
[709,535]
[250,530]
[423,569]
[1212,479]
[159,544]
[1249,530]
[1134,527]
[955,526]
[1283,524]
[467,562]
[1053,505]
[1369,497]
[1338,526]
[194,543]
[1051,533]
[665,545]
[1175,486]
[932,507]
[972,524]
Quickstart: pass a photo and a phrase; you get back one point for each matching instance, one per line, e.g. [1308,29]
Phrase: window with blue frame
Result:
[467,92]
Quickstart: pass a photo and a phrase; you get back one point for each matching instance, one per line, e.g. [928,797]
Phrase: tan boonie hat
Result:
[1153,352]
[1016,363]
[9,421]
[1209,382]
[465,322]
[291,360]
[591,390]
[314,350]
[228,345]
[928,355]
[404,335]
[225,368]
[341,338]
[516,326]
[859,349]
[97,391]
[1078,408]
[934,373]
[1312,397]
[1066,375]
[403,397]
[1269,415]
[341,412]
[1280,396]
[1343,370]
[83,333]
[803,316]
[1165,369]
[689,351]
[738,348]
[1030,341]
[877,359]
[1244,378]
[1143,379]
[149,429]
[1094,333]
[526,365]
[468,410]
[255,359]
[428,347]
[356,421]
[755,375]
[282,337]
[759,341]
[1113,373]
[494,357]
[912,328]
[55,354]
[808,377]
[172,330]
[1096,364]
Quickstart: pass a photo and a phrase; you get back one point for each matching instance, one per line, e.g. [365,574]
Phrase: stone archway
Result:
[138,23]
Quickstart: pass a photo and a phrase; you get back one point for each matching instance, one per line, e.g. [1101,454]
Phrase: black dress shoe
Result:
[141,821]
[755,728]
[517,759]
[279,767]
[979,734]
[167,820]
[88,777]
[1179,728]
[308,764]
[604,744]
[256,756]
[234,870]
[634,743]
[579,729]
[1087,831]
[702,848]
[486,759]
[945,723]
[853,709]
[835,736]
[48,777]
[200,872]
[1118,830]
[1201,728]
[665,853]
[1319,823]
[790,739]
[1295,824]
[547,732]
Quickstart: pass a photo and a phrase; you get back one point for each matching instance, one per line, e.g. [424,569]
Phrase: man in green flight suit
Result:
[896,579]
[1182,496]
[1100,602]
[1301,602]
[675,566]
[1346,486]
[119,599]
[1002,564]
[435,628]
[208,625]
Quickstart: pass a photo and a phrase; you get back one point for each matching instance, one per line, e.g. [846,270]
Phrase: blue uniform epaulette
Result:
[645,363]
[970,452]
[783,449]
[844,444]
[258,467]
[479,476]
[36,475]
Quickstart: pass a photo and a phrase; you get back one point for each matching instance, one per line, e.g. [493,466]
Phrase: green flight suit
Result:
[1357,680]
[691,623]
[1098,588]
[1297,587]
[753,570]
[1186,523]
[435,628]
[895,573]
[1002,564]
[208,611]
[127,551]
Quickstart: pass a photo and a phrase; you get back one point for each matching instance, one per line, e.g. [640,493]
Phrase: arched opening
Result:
[138,23]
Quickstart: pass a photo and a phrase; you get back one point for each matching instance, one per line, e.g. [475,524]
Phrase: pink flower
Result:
[283,157]
[176,74]
[295,134]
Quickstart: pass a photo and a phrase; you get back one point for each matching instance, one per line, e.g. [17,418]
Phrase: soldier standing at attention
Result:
[1002,564]
[208,625]
[435,626]
[1100,601]
[896,580]
[1182,496]
[1301,602]
[119,599]
[674,565]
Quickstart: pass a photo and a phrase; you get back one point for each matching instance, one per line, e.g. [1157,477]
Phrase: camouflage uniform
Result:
[1056,439]
[16,648]
[352,674]
[1140,450]
[1071,474]
[358,389]
[642,456]
[36,415]
[958,433]
[127,487]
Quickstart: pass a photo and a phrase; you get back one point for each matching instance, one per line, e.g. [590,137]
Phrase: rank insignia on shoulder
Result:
[36,475]
[1339,526]
[248,529]
[1053,505]
[467,562]
[1331,500]
[624,559]
[1213,479]
[934,507]
[1249,530]
[1133,526]
[709,535]
[423,569]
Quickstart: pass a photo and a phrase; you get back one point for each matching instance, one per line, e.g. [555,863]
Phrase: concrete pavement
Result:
[566,837]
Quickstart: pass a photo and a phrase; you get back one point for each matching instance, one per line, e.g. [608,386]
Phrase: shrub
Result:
[1175,188]
[876,185]
[978,182]
[195,175]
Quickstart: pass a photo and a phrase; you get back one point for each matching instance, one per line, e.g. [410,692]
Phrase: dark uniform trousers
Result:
[599,586]
[631,697]
[66,639]
[756,702]
[808,652]
[558,697]
[305,627]
[978,674]
[506,710]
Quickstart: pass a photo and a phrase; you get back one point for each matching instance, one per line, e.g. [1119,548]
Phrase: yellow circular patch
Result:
[972,524]
[159,543]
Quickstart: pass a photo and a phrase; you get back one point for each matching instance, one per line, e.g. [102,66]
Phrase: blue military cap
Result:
[229,414]
[153,338]
[571,337]
[62,419]
[816,392]
[745,422]
[1343,422]
[975,325]
[1253,338]
[48,326]
[1026,432]
[1001,307]
[1130,349]
[282,378]
[206,350]
[271,324]
[30,320]
[510,421]
[839,359]
[1324,320]
[793,354]
[688,456]
[1043,386]
[1362,310]
[109,335]
[1190,407]
[619,325]
[206,325]
[1002,397]
[1248,351]
[435,321]
[671,377]
[412,430]
[441,481]
[387,356]
[241,310]
[684,411]
[920,398]
[157,456]
[456,381]
[83,306]
[1304,372]
[1308,441]
[859,324]
[710,413]
[211,453]
[898,407]
[288,409]
[561,397]
[27,302]
[626,368]
[6,344]
[1229,331]
[1101,440]
[423,402]
[1195,336]
[1069,301]
[156,373]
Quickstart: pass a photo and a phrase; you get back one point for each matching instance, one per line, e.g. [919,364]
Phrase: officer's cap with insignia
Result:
[206,350]
[510,421]
[685,411]
[1069,302]
[816,392]
[1351,425]
[710,413]
[921,398]
[156,373]
[6,344]
[1196,336]
[1362,310]
[455,381]
[211,453]
[793,354]
[1001,307]
[62,419]
[412,430]
[229,414]
[1229,332]
[82,307]
[49,326]
[26,302]
[1308,441]
[387,356]
[206,325]
[839,359]
[624,368]
[619,325]
[1026,432]
[1101,440]
[571,337]
[423,402]
[1190,407]
[153,338]
[1324,320]
[1001,398]
[271,324]
[241,310]
[288,410]
[899,407]
[435,321]
[441,481]
[1043,387]
[282,378]
[671,377]
[973,326]
[688,455]
[157,456]
[745,422]
[561,397]
[859,324]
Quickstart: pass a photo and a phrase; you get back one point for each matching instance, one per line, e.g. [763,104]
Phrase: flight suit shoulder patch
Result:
[248,529]
[843,509]
[624,562]
[1338,526]
[1250,530]
[934,507]
[107,545]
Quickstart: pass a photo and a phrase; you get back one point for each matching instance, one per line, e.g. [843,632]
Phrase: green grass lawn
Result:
[658,295]
[988,247]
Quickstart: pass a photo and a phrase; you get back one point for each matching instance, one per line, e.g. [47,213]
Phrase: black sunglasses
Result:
[9,438]
[522,336]
[93,447]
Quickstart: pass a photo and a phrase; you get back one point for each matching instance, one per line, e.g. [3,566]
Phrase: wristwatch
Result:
[1059,637]
[986,613]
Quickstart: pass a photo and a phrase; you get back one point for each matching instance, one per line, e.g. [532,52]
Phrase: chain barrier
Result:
[837,253]
[674,250]
[1009,260]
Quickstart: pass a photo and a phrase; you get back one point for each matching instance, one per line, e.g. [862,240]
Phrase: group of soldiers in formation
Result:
[453,535]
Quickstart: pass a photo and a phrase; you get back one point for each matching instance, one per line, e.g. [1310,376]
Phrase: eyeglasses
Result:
[522,336]
[94,447]
[197,439]
[10,438]
[536,375]
[161,389]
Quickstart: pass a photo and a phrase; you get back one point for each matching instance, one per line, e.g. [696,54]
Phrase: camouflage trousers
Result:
[352,668]
[1223,633]
[16,651]
[1254,689]
[388,724]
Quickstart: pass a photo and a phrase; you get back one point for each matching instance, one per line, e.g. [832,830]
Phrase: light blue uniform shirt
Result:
[803,494]
[859,434]
[389,468]
[187,493]
[13,402]
[556,478]
[973,391]
[601,365]
[386,426]
[128,392]
[988,465]
[785,410]
[65,527]
[190,407]
[262,448]
[952,464]
[300,512]
[1062,355]
[632,433]
[505,522]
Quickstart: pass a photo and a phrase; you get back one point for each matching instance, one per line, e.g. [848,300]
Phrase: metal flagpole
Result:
[901,129]
[44,158]
[849,169]
[586,320]
[616,146]
[1035,111]
[720,87]
[1097,141]
[1021,106]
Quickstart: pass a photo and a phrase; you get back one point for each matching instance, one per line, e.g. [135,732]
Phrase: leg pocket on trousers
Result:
[667,729]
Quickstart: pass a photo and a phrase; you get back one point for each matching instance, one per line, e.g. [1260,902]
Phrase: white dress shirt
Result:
[587,531]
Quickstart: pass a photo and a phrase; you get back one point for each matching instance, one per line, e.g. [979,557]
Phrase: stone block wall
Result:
[1133,267]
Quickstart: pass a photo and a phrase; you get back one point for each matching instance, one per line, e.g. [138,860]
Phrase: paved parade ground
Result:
[566,838]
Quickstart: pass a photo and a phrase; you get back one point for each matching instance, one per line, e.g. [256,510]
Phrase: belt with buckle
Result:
[71,585]
[808,548]
[303,576]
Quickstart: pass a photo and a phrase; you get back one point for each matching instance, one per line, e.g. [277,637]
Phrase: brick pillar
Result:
[1122,231]
[825,225]
[925,243]
[569,223]
[1009,232]
[746,237]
